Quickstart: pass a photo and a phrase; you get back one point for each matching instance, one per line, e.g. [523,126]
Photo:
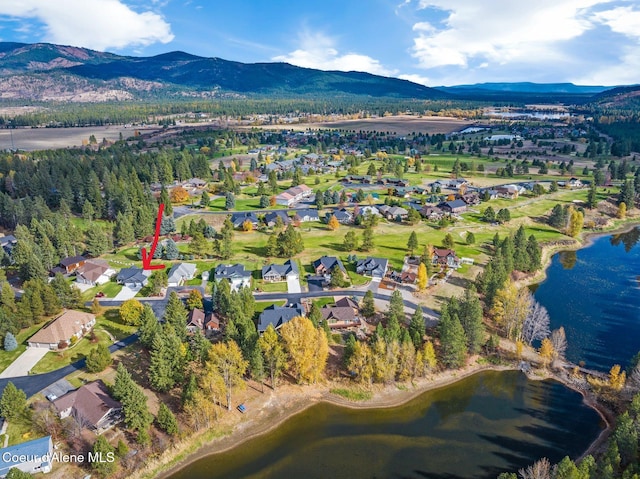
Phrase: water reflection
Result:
[568,259]
[593,293]
[629,239]
[478,427]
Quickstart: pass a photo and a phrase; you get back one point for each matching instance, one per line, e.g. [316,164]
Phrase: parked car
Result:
[100,295]
[242,408]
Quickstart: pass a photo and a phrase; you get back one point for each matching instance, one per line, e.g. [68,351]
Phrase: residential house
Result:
[195,183]
[340,316]
[271,218]
[343,216]
[69,265]
[133,277]
[278,315]
[369,210]
[195,320]
[374,267]
[280,272]
[407,277]
[396,182]
[180,273]
[294,195]
[509,191]
[574,183]
[8,243]
[94,272]
[324,265]
[307,215]
[453,207]
[393,213]
[237,276]
[30,457]
[471,199]
[59,333]
[445,258]
[238,219]
[92,405]
[432,213]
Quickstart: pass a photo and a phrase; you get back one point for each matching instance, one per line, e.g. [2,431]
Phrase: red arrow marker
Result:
[146,258]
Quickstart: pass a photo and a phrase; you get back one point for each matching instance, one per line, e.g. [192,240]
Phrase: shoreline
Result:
[384,397]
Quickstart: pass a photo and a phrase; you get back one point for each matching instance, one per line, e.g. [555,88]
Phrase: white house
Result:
[181,272]
[94,272]
[30,457]
[237,276]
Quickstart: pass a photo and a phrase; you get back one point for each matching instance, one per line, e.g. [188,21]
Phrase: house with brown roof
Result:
[91,405]
[445,258]
[94,272]
[343,314]
[72,263]
[59,333]
[207,323]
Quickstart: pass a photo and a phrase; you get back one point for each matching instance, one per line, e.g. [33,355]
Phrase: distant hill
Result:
[43,71]
[525,92]
[623,97]
[527,87]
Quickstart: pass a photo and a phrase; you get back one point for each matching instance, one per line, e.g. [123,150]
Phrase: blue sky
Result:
[433,42]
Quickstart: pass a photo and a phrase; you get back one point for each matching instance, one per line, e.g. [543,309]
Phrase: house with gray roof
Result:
[454,207]
[280,272]
[237,276]
[271,218]
[374,267]
[308,214]
[238,219]
[278,315]
[325,264]
[133,277]
[180,273]
[30,457]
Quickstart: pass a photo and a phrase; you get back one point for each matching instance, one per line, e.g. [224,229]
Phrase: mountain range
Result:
[48,72]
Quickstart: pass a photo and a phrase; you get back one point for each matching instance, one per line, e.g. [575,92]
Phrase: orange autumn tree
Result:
[179,195]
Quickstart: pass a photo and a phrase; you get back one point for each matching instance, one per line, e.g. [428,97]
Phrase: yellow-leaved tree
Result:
[576,220]
[307,347]
[510,309]
[617,378]
[422,277]
[226,359]
[333,223]
[546,351]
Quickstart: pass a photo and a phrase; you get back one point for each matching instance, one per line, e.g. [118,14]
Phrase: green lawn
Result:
[320,302]
[57,359]
[20,430]
[262,305]
[110,321]
[7,357]
[273,287]
[110,290]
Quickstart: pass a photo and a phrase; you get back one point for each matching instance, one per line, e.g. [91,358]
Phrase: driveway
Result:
[23,363]
[293,285]
[127,292]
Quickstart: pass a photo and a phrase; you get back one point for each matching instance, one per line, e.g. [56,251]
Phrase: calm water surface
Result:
[595,294]
[476,428]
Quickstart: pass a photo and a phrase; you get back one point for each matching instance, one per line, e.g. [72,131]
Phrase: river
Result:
[478,427]
[594,293]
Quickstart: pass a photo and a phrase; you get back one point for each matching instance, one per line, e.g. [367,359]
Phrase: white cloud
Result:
[623,20]
[499,31]
[319,51]
[96,24]
[415,78]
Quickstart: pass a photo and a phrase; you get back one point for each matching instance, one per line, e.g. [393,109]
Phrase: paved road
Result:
[292,298]
[37,382]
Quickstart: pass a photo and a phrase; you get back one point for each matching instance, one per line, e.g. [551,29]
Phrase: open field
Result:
[401,125]
[30,139]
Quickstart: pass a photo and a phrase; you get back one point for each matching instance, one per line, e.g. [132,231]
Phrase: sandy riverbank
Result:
[268,411]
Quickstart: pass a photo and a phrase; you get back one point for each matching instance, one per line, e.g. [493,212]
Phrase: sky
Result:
[432,42]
